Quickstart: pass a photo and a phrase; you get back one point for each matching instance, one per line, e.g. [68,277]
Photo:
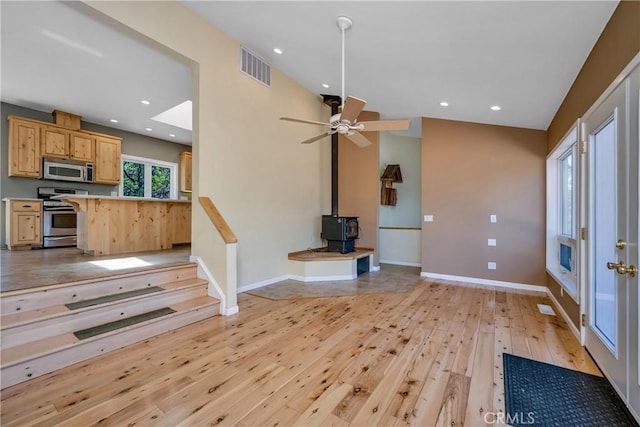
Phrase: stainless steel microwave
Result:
[67,170]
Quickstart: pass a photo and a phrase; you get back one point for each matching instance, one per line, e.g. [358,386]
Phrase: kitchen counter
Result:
[114,225]
[136,199]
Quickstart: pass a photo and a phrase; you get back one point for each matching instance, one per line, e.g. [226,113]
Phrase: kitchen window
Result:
[142,177]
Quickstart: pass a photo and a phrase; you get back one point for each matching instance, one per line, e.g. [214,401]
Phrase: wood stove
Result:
[340,232]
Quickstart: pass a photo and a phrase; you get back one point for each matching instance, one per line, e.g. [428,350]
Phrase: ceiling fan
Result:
[346,123]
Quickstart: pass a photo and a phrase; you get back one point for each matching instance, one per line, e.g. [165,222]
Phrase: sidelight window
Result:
[562,213]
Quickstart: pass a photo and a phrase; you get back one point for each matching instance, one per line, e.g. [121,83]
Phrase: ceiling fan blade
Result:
[315,138]
[352,109]
[382,125]
[311,122]
[358,139]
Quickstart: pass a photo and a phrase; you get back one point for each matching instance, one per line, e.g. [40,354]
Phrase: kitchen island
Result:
[115,225]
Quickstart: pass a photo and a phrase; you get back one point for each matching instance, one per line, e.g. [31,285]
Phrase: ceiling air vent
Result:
[255,67]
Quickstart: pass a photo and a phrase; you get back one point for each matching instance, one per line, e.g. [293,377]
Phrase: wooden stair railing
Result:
[218,221]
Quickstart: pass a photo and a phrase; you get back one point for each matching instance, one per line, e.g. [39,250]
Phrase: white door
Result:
[611,132]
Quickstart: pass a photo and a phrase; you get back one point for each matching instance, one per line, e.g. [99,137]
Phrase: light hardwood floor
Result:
[35,268]
[431,356]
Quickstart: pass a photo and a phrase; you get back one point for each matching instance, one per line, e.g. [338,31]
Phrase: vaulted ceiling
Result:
[404,58]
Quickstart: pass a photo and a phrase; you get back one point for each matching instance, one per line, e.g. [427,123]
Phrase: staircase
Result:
[48,328]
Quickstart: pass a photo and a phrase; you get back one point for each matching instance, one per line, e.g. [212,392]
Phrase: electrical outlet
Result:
[491,265]
[493,218]
[428,218]
[491,242]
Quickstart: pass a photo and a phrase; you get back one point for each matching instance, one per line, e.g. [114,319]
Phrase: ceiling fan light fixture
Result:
[346,121]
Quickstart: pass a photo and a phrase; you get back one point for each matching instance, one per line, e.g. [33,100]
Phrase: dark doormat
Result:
[122,323]
[540,394]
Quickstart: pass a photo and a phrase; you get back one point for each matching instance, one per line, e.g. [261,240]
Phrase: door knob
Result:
[621,244]
[622,268]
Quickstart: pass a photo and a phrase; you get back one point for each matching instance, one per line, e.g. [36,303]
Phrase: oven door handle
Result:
[62,238]
[58,209]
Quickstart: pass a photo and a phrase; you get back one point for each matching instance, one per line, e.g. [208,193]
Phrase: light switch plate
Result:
[493,218]
[491,265]
[428,218]
[491,242]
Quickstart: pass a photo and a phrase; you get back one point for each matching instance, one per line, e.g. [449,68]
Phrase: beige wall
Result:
[358,187]
[470,171]
[268,187]
[617,45]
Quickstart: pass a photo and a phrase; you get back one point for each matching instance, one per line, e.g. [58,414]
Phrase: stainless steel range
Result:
[59,222]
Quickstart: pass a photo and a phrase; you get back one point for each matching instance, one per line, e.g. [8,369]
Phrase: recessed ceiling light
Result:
[324,85]
[145,102]
[496,108]
[172,135]
[444,104]
[148,129]
[113,121]
[277,50]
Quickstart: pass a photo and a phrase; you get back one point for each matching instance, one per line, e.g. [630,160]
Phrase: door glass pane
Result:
[132,179]
[160,182]
[605,218]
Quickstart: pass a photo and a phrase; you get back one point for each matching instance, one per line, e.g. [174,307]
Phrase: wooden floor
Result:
[431,356]
[35,268]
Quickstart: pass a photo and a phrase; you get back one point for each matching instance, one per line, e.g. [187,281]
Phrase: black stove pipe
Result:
[334,102]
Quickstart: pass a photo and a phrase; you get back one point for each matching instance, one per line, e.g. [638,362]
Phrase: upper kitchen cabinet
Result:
[31,140]
[186,171]
[81,147]
[64,144]
[55,142]
[24,148]
[108,154]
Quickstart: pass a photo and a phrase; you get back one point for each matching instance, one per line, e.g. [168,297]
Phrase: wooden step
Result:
[39,298]
[23,362]
[23,327]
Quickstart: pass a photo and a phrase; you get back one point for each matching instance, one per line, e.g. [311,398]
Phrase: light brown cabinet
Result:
[23,223]
[24,148]
[186,174]
[81,147]
[30,140]
[108,160]
[55,142]
[64,144]
[179,225]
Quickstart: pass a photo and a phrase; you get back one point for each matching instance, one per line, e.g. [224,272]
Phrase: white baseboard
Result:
[408,264]
[512,285]
[231,310]
[213,289]
[322,278]
[564,315]
[262,283]
[375,268]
